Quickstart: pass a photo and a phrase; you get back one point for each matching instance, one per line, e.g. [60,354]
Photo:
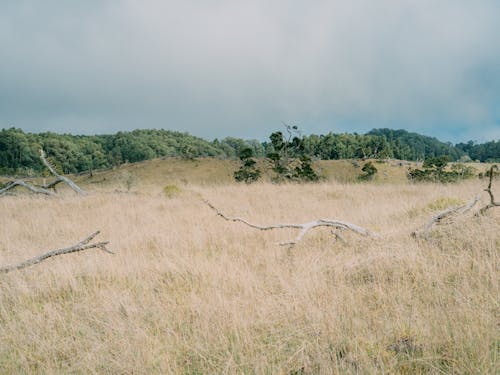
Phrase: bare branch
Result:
[305,227]
[51,185]
[445,215]
[490,193]
[33,189]
[80,246]
[52,170]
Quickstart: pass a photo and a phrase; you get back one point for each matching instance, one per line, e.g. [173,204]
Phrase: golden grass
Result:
[189,293]
[209,171]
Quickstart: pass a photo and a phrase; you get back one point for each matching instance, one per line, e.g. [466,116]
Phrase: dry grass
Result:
[189,293]
[208,171]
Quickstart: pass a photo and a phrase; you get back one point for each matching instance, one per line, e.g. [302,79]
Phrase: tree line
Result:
[79,153]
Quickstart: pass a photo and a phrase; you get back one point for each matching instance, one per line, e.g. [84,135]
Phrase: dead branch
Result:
[447,214]
[304,228]
[80,246]
[24,184]
[52,170]
[51,185]
[490,193]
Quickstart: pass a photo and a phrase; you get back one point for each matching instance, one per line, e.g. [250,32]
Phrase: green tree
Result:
[369,171]
[248,171]
[289,156]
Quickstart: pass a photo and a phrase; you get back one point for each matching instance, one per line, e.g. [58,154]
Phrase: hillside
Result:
[159,173]
[75,153]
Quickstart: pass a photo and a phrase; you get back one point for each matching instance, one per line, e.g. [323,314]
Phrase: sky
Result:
[217,68]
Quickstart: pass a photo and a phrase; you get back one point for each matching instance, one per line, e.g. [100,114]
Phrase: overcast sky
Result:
[219,68]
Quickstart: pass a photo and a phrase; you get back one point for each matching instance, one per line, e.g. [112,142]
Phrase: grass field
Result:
[189,293]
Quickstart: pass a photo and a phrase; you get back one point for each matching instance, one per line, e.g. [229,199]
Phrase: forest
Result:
[78,153]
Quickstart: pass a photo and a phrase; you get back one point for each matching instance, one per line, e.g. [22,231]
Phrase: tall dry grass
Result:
[189,293]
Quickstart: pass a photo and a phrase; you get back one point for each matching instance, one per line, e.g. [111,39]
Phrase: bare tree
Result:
[492,203]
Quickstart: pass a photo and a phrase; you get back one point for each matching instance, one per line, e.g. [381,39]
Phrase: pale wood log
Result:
[80,246]
[447,214]
[52,170]
[304,227]
[52,185]
[24,184]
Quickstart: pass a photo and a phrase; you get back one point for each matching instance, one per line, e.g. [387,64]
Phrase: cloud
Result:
[218,68]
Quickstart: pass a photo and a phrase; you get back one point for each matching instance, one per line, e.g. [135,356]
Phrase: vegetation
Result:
[412,146]
[434,171]
[486,152]
[369,170]
[76,153]
[183,298]
[289,157]
[248,171]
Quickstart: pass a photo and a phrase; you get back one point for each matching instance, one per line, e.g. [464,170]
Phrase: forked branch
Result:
[304,227]
[80,246]
[59,177]
[492,203]
[24,184]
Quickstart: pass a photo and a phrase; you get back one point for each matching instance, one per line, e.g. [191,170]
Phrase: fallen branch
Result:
[80,246]
[440,218]
[51,185]
[33,189]
[490,193]
[52,170]
[304,228]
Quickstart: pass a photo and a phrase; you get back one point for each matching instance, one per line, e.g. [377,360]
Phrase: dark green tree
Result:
[248,171]
[289,156]
[369,171]
[434,170]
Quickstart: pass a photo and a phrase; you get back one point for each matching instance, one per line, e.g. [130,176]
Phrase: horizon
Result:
[248,139]
[233,68]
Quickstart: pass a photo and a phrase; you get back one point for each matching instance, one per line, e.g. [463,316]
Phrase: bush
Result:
[171,191]
[369,172]
[248,171]
[434,171]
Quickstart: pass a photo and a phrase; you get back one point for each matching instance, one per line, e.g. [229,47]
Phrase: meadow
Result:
[187,292]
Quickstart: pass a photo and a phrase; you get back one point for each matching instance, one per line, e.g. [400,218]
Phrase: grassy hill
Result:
[154,175]
[158,173]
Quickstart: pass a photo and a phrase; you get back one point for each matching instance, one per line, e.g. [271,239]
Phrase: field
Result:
[187,292]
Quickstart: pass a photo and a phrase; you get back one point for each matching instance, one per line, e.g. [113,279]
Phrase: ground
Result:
[187,292]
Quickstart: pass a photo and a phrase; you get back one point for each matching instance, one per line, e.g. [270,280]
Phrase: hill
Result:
[78,153]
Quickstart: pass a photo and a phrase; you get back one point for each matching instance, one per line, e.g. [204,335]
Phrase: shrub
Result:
[434,171]
[369,171]
[171,191]
[248,171]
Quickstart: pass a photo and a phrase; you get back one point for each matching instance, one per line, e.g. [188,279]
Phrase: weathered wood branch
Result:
[304,227]
[442,216]
[24,184]
[492,203]
[80,246]
[66,180]
[51,185]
